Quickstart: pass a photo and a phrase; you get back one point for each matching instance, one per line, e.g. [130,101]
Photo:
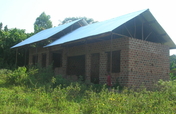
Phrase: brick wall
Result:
[141,62]
[148,62]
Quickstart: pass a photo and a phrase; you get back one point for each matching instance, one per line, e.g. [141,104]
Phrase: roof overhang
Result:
[52,33]
[102,28]
[144,16]
[150,19]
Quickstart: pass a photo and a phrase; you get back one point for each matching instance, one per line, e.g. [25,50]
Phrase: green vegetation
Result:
[9,38]
[70,19]
[42,22]
[38,91]
[173,67]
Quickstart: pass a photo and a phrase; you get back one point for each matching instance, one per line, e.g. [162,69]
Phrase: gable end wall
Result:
[148,63]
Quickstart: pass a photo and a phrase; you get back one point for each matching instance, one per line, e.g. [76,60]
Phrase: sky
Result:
[22,14]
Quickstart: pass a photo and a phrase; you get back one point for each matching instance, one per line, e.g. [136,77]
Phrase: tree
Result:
[1,26]
[8,38]
[70,19]
[173,67]
[42,22]
[6,28]
[172,62]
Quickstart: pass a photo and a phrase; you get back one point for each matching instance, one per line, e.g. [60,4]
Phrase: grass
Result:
[58,96]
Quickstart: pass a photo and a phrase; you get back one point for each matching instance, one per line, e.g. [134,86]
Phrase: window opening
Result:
[115,61]
[34,59]
[76,66]
[44,60]
[57,60]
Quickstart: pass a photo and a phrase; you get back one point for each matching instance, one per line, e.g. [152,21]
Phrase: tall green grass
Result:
[23,92]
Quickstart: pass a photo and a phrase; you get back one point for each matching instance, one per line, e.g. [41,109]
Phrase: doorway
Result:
[76,66]
[57,60]
[95,64]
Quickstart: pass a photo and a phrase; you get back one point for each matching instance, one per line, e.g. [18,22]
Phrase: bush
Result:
[4,72]
[54,94]
[34,76]
[17,77]
[28,77]
[86,99]
[39,76]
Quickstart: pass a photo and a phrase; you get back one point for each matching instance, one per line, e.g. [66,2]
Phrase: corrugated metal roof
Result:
[44,34]
[97,28]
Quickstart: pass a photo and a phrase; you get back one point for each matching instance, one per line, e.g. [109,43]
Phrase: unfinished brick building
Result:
[133,48]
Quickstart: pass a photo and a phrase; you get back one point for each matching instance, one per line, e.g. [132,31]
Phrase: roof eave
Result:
[159,29]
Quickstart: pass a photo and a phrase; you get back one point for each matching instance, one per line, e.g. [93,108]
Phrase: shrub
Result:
[4,72]
[39,76]
[17,77]
[37,90]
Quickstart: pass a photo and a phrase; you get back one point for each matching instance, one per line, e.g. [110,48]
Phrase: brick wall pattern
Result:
[142,62]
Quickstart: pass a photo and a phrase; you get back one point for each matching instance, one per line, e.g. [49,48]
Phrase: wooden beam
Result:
[148,35]
[128,31]
[79,23]
[86,54]
[142,32]
[111,48]
[25,56]
[16,59]
[71,28]
[119,34]
[134,28]
[36,58]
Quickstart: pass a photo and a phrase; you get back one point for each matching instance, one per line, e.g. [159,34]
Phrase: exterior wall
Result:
[141,62]
[87,49]
[148,62]
[39,52]
[101,48]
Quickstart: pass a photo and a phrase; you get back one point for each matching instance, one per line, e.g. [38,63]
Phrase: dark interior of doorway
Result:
[57,60]
[76,66]
[95,64]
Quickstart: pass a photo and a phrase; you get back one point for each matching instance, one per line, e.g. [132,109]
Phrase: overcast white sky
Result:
[22,13]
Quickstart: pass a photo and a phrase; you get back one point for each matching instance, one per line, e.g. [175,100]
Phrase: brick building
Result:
[133,48]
